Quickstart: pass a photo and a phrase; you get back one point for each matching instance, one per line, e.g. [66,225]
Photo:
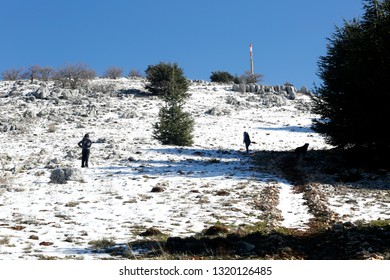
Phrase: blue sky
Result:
[202,36]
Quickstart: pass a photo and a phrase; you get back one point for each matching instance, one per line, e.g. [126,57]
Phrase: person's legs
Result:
[86,158]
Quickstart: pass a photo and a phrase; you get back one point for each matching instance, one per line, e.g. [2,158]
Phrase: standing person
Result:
[247,141]
[85,145]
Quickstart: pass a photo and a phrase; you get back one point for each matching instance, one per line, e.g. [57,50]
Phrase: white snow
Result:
[212,181]
[292,205]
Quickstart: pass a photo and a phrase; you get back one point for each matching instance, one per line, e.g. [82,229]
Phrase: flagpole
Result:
[251,60]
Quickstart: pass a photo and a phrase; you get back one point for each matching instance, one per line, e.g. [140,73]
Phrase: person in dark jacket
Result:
[85,145]
[247,141]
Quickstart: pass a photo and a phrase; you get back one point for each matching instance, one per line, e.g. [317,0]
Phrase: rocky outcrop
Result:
[272,96]
[288,91]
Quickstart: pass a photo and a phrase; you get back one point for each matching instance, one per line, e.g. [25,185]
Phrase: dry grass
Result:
[4,240]
[102,243]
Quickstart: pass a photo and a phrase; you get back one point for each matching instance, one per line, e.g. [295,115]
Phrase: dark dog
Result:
[301,150]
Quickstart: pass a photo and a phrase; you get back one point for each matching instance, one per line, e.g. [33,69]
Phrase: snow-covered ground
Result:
[212,181]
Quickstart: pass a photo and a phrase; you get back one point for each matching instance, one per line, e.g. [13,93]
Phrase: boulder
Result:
[42,93]
[305,90]
[29,114]
[61,176]
[291,92]
[218,111]
[57,176]
[272,100]
[73,174]
[129,114]
[69,94]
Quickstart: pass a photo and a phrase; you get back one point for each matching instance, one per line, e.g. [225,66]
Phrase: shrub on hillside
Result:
[36,72]
[135,74]
[113,72]
[73,75]
[249,78]
[221,77]
[12,74]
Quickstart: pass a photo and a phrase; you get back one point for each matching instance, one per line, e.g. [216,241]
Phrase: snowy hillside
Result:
[214,181]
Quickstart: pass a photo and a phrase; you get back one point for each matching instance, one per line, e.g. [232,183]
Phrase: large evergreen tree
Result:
[353,100]
[167,80]
[174,126]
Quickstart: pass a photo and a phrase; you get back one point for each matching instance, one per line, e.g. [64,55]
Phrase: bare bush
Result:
[73,75]
[249,78]
[39,73]
[135,74]
[113,72]
[12,74]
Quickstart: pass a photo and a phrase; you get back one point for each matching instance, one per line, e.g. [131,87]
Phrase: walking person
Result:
[247,141]
[85,145]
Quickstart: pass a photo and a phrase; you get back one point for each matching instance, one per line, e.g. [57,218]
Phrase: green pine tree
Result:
[353,99]
[167,81]
[175,126]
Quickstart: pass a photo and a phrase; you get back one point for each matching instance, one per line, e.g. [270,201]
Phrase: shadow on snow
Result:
[299,129]
[195,163]
[325,167]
